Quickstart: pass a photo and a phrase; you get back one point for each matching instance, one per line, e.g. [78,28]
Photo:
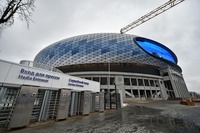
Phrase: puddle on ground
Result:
[131,119]
[152,121]
[135,119]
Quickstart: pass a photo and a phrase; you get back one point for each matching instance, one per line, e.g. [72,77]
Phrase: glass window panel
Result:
[135,93]
[104,81]
[156,83]
[112,81]
[140,82]
[152,83]
[126,81]
[96,79]
[134,82]
[89,78]
[146,82]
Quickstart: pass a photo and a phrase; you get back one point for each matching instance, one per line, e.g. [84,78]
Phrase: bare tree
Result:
[9,9]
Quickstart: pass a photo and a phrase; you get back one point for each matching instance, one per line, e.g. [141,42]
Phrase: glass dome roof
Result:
[102,48]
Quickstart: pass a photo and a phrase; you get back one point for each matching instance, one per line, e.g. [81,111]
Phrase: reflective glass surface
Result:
[95,48]
[155,49]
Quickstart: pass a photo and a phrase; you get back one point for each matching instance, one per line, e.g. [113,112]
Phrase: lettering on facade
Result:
[36,76]
[77,83]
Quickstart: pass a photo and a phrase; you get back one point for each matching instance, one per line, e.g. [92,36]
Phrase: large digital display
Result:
[155,49]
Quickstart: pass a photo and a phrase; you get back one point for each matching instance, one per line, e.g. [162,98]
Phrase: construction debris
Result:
[187,101]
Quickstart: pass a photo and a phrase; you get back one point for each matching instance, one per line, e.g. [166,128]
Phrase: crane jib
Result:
[150,15]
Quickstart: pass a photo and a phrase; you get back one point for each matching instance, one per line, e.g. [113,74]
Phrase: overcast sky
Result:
[177,28]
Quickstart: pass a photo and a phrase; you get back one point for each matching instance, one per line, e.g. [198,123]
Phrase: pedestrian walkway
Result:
[130,119]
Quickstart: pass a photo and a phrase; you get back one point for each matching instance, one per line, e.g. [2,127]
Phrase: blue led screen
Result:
[155,49]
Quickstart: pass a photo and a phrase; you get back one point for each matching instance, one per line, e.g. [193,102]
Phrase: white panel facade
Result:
[11,73]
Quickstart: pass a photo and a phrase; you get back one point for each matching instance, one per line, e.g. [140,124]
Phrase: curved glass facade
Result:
[98,48]
[156,49]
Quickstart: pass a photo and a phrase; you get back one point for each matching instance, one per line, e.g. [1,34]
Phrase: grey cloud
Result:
[177,28]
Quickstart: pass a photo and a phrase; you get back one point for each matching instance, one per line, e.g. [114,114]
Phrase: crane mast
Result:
[150,15]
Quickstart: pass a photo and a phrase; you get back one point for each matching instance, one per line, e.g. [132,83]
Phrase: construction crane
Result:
[169,4]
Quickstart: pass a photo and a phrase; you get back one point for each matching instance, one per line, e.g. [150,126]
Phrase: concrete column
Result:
[138,88]
[150,88]
[163,90]
[119,81]
[171,77]
[145,93]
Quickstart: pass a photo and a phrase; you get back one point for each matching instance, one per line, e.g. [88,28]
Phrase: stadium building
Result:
[137,67]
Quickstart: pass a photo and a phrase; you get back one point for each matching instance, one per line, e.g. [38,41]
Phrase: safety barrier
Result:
[20,106]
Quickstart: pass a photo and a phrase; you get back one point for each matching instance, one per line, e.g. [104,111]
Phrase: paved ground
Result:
[175,110]
[138,117]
